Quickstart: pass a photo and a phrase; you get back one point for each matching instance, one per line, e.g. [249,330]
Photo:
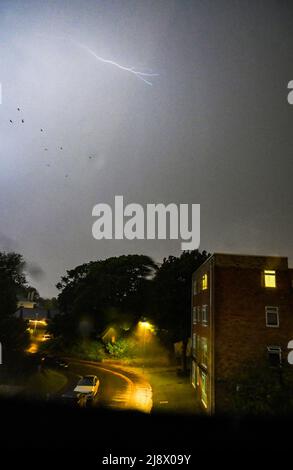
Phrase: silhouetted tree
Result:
[172,296]
[103,291]
[13,334]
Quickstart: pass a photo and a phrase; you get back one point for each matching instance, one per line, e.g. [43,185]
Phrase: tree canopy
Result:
[13,334]
[172,293]
[104,291]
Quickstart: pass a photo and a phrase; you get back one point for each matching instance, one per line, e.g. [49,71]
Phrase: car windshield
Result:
[86,381]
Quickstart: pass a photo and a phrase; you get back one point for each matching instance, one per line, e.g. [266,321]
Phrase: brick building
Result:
[242,312]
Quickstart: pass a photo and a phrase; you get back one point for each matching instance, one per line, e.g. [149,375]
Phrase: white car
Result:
[88,385]
[46,337]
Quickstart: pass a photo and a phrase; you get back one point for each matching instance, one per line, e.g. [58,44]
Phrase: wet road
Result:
[118,389]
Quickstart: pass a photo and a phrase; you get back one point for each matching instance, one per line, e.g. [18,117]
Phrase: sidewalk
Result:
[172,393]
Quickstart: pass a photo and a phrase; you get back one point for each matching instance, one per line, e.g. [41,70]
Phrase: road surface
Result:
[118,389]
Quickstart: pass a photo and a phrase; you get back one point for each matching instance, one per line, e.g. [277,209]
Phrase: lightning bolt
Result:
[141,75]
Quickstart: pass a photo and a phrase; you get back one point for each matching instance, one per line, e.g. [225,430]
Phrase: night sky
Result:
[214,128]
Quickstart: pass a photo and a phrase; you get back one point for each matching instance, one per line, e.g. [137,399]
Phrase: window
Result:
[205,314]
[197,376]
[198,314]
[270,278]
[204,388]
[274,356]
[193,374]
[194,288]
[204,282]
[204,352]
[272,316]
[194,315]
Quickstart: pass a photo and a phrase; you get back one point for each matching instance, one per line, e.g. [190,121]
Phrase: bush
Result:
[90,349]
[123,348]
[263,391]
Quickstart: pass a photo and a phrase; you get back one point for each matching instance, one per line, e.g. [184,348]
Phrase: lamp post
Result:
[146,326]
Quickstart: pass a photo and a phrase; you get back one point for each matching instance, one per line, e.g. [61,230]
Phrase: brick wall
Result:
[241,333]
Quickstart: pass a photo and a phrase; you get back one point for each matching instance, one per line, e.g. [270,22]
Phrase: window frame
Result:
[204,395]
[269,274]
[275,350]
[193,374]
[204,282]
[205,315]
[194,315]
[198,314]
[204,356]
[277,311]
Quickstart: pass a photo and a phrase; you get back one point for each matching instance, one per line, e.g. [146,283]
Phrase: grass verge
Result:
[46,382]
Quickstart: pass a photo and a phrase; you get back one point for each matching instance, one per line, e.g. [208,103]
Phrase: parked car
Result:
[61,363]
[88,385]
[53,361]
[46,337]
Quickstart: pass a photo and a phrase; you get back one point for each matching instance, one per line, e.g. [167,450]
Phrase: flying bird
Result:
[42,130]
[18,109]
[61,148]
[10,120]
[22,120]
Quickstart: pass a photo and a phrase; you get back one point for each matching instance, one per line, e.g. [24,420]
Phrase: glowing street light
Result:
[143,327]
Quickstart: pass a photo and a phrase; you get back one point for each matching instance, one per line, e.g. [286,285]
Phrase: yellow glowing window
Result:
[197,376]
[204,352]
[193,375]
[270,278]
[204,282]
[204,389]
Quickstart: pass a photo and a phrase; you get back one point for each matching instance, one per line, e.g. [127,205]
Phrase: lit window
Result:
[204,389]
[205,314]
[270,278]
[272,316]
[194,315]
[204,352]
[274,356]
[194,288]
[204,282]
[193,374]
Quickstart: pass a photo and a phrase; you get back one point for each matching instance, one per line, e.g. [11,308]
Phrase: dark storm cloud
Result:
[215,127]
[35,271]
[7,244]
